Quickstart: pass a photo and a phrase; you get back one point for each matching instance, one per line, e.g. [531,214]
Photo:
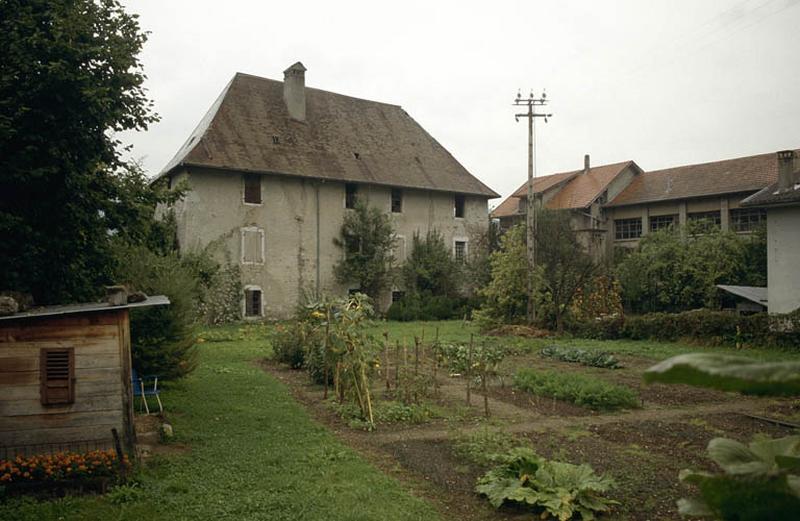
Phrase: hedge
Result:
[706,326]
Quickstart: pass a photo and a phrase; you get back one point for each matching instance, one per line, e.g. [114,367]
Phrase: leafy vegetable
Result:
[760,481]
[560,489]
[728,373]
[581,356]
[580,389]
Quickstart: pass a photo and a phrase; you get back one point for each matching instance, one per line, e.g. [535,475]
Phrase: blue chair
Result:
[143,390]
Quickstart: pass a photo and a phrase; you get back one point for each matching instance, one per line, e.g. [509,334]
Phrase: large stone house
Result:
[781,200]
[617,204]
[273,167]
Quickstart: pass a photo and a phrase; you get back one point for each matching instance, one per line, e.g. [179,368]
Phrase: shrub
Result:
[560,489]
[162,337]
[582,356]
[579,389]
[424,306]
[430,268]
[288,345]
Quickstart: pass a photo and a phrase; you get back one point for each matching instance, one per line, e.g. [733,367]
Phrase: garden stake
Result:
[416,370]
[325,351]
[386,358]
[469,369]
[397,365]
[485,392]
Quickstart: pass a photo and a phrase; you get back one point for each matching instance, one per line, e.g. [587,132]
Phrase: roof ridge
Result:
[702,163]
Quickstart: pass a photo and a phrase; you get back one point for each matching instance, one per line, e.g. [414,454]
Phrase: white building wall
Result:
[783,259]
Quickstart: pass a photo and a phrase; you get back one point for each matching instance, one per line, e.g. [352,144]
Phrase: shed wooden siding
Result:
[102,363]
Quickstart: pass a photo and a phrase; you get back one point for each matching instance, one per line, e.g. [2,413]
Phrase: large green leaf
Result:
[728,373]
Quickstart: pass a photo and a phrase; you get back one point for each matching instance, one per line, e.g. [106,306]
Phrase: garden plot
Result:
[642,446]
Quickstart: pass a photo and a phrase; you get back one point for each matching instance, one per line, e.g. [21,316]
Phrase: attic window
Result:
[57,375]
[458,206]
[350,195]
[276,140]
[356,155]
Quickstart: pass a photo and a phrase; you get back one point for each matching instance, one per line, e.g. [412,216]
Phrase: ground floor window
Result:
[627,228]
[714,217]
[747,219]
[252,301]
[460,251]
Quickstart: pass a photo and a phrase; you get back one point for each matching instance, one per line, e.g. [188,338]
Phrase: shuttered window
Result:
[57,375]
[252,302]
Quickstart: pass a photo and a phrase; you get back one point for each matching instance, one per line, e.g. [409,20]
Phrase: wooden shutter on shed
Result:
[57,375]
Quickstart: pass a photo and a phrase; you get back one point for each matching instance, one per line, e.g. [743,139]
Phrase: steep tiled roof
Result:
[719,177]
[510,206]
[343,138]
[585,188]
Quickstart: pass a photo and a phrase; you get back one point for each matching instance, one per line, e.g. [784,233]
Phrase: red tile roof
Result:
[743,174]
[510,206]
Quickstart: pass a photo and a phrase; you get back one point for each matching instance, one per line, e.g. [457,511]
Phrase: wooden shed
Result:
[65,377]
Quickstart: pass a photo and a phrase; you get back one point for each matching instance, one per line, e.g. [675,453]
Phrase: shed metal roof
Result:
[752,293]
[88,307]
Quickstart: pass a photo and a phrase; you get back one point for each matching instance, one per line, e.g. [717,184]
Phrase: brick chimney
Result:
[294,91]
[586,164]
[786,173]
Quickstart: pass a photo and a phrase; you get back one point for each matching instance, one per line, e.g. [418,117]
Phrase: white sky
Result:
[664,83]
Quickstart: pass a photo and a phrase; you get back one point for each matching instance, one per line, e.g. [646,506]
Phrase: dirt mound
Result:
[523,331]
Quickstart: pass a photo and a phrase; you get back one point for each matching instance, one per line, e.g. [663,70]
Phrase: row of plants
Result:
[577,388]
[706,326]
[577,355]
[61,466]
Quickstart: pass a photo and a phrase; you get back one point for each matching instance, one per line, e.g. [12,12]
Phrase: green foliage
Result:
[760,481]
[416,306]
[484,446]
[582,356]
[71,81]
[221,295]
[127,493]
[458,356]
[562,490]
[162,337]
[399,412]
[577,388]
[367,238]
[430,268]
[289,344]
[505,296]
[678,269]
[566,266]
[729,373]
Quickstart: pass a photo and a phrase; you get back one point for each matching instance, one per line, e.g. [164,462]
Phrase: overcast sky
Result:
[664,83]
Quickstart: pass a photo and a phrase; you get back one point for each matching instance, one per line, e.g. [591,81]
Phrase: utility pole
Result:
[530,217]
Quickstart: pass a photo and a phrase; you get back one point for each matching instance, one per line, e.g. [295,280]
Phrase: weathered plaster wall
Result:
[783,259]
[214,211]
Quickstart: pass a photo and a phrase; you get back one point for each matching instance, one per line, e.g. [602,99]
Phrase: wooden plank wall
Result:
[98,402]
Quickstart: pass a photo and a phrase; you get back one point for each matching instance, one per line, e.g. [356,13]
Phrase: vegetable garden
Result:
[555,427]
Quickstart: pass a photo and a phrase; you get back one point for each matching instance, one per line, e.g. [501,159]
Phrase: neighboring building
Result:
[781,200]
[274,166]
[641,202]
[66,378]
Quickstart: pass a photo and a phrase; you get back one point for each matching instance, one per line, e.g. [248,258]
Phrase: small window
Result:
[398,295]
[627,228]
[747,219]
[252,245]
[397,200]
[57,375]
[660,222]
[252,302]
[714,218]
[350,195]
[458,206]
[460,251]
[252,189]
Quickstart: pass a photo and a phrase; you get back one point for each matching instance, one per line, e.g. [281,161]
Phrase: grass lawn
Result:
[255,454]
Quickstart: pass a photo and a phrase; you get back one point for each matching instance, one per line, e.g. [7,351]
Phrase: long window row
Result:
[251,194]
[741,220]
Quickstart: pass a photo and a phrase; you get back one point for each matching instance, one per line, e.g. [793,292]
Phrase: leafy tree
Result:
[505,296]
[675,270]
[431,268]
[566,267]
[478,268]
[70,78]
[367,238]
